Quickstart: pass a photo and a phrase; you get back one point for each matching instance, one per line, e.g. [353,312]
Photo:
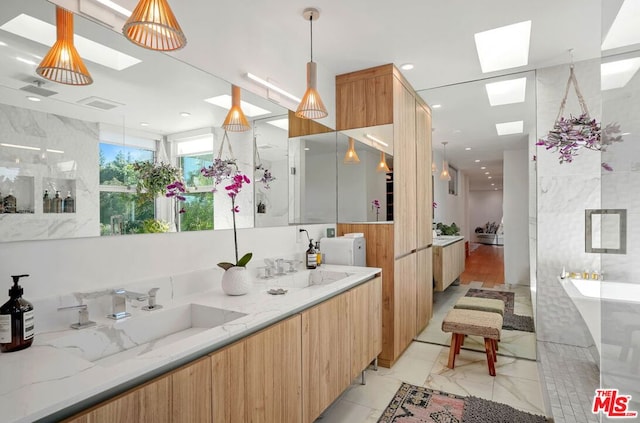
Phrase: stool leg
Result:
[495,341]
[459,342]
[488,346]
[452,351]
[495,348]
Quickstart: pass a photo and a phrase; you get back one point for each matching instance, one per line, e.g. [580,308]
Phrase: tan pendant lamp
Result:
[311,106]
[351,157]
[444,175]
[382,166]
[153,25]
[235,120]
[63,63]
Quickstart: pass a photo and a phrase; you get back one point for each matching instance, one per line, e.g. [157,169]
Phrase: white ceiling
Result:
[271,40]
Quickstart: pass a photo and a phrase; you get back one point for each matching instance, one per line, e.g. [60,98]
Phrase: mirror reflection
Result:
[88,161]
[365,185]
[312,178]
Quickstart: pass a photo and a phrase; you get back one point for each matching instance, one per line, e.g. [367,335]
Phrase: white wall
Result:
[484,206]
[319,189]
[451,208]
[358,185]
[516,216]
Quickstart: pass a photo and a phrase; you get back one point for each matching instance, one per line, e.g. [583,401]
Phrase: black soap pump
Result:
[312,256]
[16,320]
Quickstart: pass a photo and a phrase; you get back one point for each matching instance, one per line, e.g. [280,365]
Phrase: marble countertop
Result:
[44,379]
[444,240]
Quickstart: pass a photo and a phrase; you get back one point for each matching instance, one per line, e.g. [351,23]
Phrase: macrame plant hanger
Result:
[572,80]
[225,140]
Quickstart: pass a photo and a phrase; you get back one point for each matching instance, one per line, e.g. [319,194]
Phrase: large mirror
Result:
[312,178]
[365,175]
[67,153]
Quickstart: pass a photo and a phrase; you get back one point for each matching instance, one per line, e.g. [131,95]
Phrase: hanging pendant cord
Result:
[311,37]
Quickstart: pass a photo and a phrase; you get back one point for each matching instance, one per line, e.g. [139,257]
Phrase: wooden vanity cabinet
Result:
[365,310]
[448,264]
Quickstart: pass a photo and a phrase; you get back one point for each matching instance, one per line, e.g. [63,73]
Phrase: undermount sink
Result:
[111,344]
[308,278]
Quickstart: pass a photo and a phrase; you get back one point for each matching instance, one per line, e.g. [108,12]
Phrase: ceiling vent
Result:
[36,88]
[100,103]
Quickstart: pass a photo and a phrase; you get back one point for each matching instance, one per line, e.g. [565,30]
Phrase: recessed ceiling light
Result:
[504,48]
[27,61]
[625,133]
[487,173]
[468,149]
[489,177]
[492,184]
[33,98]
[249,109]
[185,114]
[483,167]
[272,87]
[624,30]
[3,44]
[407,66]
[436,106]
[113,6]
[44,33]
[617,74]
[509,128]
[307,149]
[280,123]
[506,92]
[477,161]
[144,123]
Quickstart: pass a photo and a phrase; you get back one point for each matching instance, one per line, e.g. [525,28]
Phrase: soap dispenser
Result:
[312,256]
[16,320]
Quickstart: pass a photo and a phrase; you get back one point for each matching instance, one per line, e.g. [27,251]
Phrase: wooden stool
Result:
[461,322]
[490,305]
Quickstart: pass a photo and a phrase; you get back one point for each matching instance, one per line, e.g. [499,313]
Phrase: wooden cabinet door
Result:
[405,302]
[424,288]
[365,305]
[228,383]
[149,403]
[423,176]
[273,374]
[404,169]
[191,393]
[326,367]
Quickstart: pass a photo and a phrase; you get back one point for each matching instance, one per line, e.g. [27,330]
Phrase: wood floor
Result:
[485,264]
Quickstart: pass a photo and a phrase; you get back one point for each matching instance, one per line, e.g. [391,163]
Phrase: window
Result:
[199,212]
[122,211]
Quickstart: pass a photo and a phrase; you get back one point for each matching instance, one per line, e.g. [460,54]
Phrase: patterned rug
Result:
[416,404]
[511,321]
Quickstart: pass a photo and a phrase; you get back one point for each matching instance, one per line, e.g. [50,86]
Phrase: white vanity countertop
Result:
[444,240]
[42,379]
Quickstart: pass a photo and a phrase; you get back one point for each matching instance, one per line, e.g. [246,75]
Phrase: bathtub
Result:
[587,296]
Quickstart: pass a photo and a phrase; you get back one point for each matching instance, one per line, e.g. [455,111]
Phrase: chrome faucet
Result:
[279,266]
[152,305]
[119,301]
[83,316]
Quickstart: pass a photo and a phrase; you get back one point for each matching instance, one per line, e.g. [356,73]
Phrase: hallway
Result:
[485,263]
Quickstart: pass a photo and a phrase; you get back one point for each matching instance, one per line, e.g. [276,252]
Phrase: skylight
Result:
[44,33]
[510,128]
[504,48]
[249,109]
[618,74]
[506,92]
[625,30]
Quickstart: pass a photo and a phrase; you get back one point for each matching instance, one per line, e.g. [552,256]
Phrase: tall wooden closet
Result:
[379,96]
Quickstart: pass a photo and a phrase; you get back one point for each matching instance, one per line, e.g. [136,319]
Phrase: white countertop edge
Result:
[439,242]
[90,383]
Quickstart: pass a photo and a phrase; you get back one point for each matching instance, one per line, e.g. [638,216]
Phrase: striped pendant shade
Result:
[153,25]
[235,121]
[63,63]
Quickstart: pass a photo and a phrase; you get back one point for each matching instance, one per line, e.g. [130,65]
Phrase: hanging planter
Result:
[221,169]
[262,174]
[570,135]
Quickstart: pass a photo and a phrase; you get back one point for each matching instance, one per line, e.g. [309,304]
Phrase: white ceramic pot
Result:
[236,281]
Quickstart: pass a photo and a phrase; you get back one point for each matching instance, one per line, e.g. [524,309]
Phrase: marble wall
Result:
[61,154]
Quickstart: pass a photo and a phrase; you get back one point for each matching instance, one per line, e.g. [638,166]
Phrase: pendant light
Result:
[444,175]
[153,25]
[434,168]
[311,106]
[351,157]
[382,166]
[63,63]
[235,120]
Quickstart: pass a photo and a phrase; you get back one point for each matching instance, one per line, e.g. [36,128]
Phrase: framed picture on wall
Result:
[453,183]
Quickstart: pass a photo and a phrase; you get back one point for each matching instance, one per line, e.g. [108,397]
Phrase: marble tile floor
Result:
[516,383]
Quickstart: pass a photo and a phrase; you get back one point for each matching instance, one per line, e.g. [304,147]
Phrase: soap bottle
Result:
[10,203]
[312,256]
[16,320]
[318,254]
[69,205]
[46,202]
[56,205]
